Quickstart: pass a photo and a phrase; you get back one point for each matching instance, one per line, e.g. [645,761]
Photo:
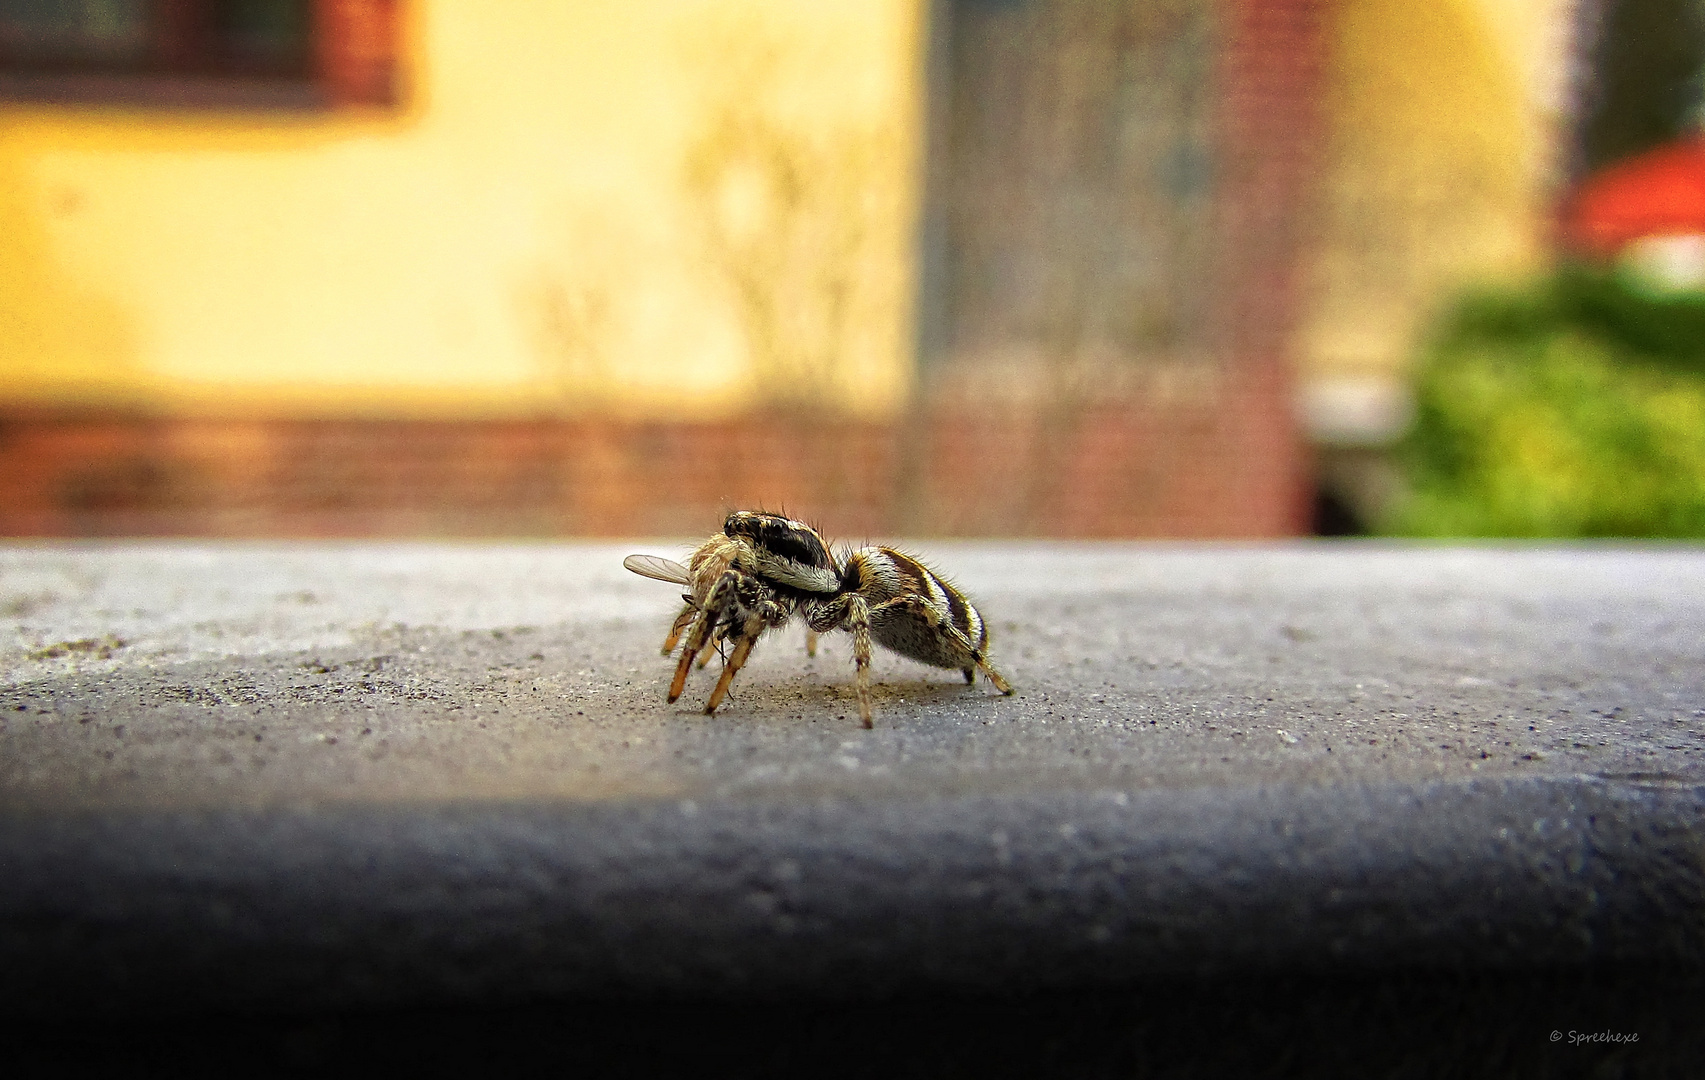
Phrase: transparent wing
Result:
[661,569]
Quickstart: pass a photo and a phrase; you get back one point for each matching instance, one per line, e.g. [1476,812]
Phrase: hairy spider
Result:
[764,569]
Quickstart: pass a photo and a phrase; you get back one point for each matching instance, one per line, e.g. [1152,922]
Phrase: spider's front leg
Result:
[760,617]
[721,598]
[713,647]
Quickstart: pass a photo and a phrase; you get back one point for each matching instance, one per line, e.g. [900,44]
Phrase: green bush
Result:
[1575,408]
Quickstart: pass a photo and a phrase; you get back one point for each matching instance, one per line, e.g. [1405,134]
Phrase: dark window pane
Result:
[271,35]
[1647,63]
[1078,180]
[100,32]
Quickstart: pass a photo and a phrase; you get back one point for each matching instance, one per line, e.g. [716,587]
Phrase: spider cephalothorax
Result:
[763,569]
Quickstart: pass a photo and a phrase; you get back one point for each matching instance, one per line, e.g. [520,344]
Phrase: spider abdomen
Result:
[909,606]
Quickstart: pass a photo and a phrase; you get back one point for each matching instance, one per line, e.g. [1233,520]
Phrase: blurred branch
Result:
[575,324]
[575,313]
[787,210]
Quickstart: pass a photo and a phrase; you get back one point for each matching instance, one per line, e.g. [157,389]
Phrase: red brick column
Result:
[1272,79]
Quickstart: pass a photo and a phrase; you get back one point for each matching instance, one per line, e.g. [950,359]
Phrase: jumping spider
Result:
[763,569]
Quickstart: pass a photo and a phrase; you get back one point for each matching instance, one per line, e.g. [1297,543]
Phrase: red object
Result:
[1658,193]
[358,48]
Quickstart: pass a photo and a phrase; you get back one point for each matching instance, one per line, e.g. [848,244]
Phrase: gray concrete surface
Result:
[366,774]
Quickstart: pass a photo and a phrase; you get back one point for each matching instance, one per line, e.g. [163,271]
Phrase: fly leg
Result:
[682,621]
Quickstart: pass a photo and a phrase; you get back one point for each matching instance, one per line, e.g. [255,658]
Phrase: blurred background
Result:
[1169,268]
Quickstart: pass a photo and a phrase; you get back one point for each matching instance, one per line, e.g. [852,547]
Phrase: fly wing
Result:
[660,569]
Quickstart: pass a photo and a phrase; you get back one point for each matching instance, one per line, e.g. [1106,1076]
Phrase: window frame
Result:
[354,60]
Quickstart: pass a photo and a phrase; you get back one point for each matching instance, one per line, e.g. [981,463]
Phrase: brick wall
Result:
[1110,472]
[1271,83]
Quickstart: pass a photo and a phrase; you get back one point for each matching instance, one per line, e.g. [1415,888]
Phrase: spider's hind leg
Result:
[994,676]
[950,646]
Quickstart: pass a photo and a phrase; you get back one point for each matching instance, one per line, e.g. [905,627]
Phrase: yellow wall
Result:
[536,231]
[1442,125]
[529,235]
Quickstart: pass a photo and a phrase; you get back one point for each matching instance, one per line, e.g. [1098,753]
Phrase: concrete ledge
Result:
[448,776]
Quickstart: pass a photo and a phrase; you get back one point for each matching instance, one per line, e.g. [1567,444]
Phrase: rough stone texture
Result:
[390,774]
